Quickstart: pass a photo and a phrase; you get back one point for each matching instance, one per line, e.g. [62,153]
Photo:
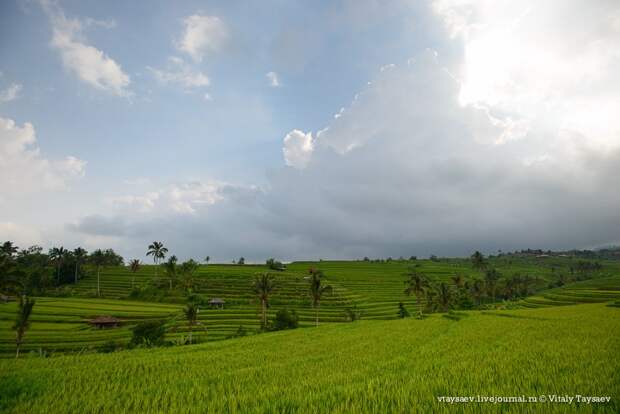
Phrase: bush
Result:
[352,314]
[273,264]
[402,311]
[150,333]
[107,347]
[285,320]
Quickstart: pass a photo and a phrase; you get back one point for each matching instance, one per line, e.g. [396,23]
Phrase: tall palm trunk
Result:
[264,306]
[18,342]
[76,271]
[190,333]
[98,285]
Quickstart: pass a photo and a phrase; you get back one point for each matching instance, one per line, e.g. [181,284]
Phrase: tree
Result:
[491,277]
[79,255]
[477,290]
[98,259]
[317,290]
[285,320]
[170,268]
[8,249]
[402,311]
[416,284]
[57,255]
[458,280]
[477,260]
[191,314]
[158,251]
[22,322]
[188,268]
[241,260]
[207,260]
[264,285]
[444,296]
[134,266]
[150,333]
[274,264]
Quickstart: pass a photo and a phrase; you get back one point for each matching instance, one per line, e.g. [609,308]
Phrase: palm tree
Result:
[477,260]
[57,255]
[191,314]
[158,251]
[98,258]
[444,296]
[22,322]
[207,260]
[79,255]
[264,285]
[8,248]
[458,280]
[416,284]
[491,277]
[188,269]
[477,290]
[134,266]
[317,290]
[170,268]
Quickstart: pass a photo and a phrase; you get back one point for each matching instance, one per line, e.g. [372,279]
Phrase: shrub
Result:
[149,333]
[402,311]
[273,264]
[107,347]
[285,320]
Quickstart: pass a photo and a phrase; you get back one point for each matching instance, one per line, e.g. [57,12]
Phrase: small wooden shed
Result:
[103,322]
[217,303]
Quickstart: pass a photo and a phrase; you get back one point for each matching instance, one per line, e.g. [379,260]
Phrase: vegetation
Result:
[317,289]
[370,366]
[22,322]
[264,285]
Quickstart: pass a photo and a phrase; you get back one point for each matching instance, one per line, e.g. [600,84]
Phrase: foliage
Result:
[285,319]
[149,333]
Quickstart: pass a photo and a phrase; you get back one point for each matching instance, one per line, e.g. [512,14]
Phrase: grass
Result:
[367,366]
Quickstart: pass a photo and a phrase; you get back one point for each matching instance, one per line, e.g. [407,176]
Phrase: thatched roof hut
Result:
[104,322]
[217,303]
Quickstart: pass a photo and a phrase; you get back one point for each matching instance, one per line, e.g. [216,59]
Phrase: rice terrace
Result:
[344,207]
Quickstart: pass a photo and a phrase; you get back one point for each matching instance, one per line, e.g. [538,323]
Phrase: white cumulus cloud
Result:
[181,74]
[202,34]
[88,63]
[298,147]
[24,170]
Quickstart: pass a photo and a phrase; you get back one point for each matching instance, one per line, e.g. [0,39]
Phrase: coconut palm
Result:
[207,260]
[491,277]
[188,269]
[444,296]
[458,280]
[170,269]
[158,251]
[264,285]
[317,290]
[79,255]
[98,258]
[477,260]
[134,266]
[22,322]
[57,255]
[477,290]
[416,284]
[191,314]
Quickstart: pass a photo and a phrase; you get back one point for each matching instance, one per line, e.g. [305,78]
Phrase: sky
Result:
[307,130]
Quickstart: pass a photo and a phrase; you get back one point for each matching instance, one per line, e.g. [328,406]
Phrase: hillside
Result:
[370,366]
[373,288]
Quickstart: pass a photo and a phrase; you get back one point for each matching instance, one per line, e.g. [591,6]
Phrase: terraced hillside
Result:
[61,324]
[367,366]
[605,289]
[373,288]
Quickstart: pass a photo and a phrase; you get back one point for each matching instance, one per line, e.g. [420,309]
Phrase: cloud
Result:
[202,34]
[273,79]
[181,74]
[88,63]
[23,170]
[11,93]
[298,147]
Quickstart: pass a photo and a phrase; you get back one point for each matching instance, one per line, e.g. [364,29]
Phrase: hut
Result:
[217,303]
[102,322]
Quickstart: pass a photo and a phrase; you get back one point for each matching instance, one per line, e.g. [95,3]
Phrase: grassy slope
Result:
[371,366]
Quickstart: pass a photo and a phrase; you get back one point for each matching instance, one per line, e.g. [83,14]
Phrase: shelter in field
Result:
[102,322]
[217,303]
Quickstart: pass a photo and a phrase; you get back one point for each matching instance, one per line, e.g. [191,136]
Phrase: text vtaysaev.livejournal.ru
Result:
[540,399]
